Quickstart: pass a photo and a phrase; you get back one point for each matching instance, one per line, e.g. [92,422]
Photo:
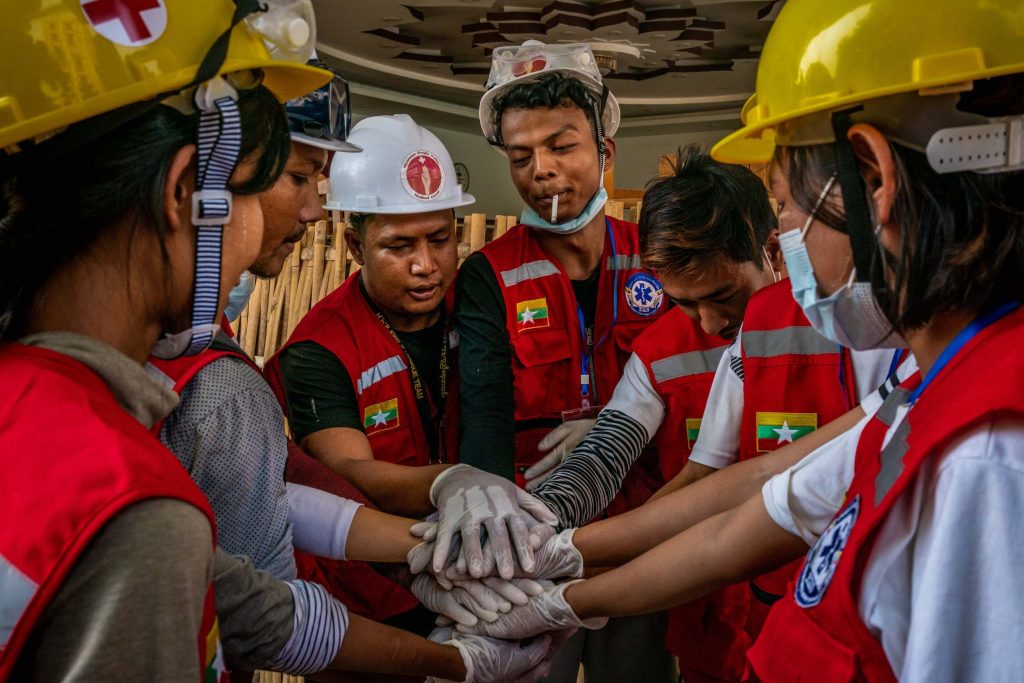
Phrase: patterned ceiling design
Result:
[658,57]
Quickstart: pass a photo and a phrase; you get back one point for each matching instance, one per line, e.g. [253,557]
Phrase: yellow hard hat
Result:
[825,56]
[69,60]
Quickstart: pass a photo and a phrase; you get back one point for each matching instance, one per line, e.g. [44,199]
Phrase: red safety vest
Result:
[542,320]
[346,325]
[363,590]
[815,633]
[707,635]
[791,386]
[681,360]
[63,431]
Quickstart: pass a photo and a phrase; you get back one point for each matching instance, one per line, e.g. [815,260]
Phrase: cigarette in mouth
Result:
[554,208]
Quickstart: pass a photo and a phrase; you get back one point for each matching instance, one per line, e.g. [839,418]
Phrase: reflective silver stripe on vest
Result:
[528,271]
[624,262]
[687,364]
[801,341]
[383,369]
[892,461]
[16,591]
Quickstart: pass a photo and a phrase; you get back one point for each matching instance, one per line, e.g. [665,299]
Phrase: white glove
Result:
[467,498]
[465,603]
[539,535]
[558,443]
[489,660]
[546,612]
[558,558]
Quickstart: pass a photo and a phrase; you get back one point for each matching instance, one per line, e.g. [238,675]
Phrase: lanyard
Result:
[585,339]
[893,364]
[960,340]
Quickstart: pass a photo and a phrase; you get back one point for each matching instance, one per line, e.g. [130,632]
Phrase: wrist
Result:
[457,665]
[439,479]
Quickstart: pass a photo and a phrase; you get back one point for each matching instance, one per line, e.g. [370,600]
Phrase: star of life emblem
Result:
[131,23]
[820,565]
[644,294]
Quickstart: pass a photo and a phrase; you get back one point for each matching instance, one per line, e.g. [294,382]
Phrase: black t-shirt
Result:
[321,394]
[487,434]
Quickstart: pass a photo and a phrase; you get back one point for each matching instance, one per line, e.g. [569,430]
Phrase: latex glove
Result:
[546,612]
[558,558]
[558,443]
[465,603]
[466,499]
[489,660]
[539,535]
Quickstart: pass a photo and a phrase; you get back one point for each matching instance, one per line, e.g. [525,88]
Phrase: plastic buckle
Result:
[211,207]
[988,148]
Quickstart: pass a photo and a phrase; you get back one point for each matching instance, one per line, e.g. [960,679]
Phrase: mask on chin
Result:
[239,295]
[593,207]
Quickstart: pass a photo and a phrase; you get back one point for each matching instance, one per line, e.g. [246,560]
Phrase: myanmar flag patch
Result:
[532,314]
[380,417]
[778,429]
[692,431]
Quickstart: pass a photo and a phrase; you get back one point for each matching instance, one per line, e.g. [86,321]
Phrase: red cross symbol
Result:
[128,12]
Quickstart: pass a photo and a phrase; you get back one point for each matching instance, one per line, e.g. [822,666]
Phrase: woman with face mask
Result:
[898,163]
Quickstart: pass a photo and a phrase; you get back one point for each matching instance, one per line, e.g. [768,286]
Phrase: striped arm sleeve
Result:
[585,483]
[320,626]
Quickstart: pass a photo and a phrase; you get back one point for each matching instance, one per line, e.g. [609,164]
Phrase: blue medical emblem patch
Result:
[644,294]
[820,565]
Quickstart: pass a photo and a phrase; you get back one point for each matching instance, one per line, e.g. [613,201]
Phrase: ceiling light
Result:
[391,20]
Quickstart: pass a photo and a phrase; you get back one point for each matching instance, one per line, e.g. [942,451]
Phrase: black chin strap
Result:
[858,217]
[218,52]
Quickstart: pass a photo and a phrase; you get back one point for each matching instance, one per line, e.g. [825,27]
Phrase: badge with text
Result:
[820,565]
[775,430]
[131,23]
[532,314]
[380,417]
[692,431]
[644,294]
[422,176]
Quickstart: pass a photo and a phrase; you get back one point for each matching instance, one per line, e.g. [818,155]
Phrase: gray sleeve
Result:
[585,483]
[292,626]
[131,607]
[228,432]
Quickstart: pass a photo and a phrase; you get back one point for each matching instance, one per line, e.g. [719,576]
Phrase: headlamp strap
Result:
[858,217]
[218,52]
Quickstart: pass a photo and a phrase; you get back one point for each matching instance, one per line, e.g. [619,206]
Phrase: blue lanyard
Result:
[893,364]
[584,355]
[961,339]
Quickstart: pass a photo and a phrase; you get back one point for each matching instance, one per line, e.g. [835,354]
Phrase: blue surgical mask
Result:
[593,207]
[850,316]
[239,296]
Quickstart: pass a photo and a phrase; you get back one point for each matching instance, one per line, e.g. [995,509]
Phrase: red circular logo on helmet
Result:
[529,66]
[422,175]
[131,23]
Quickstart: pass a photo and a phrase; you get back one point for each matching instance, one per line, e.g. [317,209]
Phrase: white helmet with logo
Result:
[516,64]
[403,169]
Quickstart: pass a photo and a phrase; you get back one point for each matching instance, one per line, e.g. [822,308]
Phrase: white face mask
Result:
[850,316]
[593,207]
[239,295]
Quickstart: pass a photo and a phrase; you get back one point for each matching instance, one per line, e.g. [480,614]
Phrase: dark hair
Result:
[549,91]
[962,245]
[118,176]
[703,210]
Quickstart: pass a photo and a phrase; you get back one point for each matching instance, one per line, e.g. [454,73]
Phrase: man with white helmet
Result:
[366,377]
[547,313]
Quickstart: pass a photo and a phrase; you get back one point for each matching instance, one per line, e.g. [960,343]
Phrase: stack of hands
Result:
[488,565]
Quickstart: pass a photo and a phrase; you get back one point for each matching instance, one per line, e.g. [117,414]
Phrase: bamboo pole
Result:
[243,321]
[265,297]
[477,231]
[252,325]
[294,264]
[319,248]
[500,226]
[325,281]
[276,309]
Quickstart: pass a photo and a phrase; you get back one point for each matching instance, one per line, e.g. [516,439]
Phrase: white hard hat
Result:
[403,168]
[527,62]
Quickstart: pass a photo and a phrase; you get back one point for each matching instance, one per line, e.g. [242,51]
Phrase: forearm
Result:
[585,483]
[727,548]
[376,648]
[691,472]
[398,489]
[379,537]
[621,538]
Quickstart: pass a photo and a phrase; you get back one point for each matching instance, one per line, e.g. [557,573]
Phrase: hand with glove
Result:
[558,558]
[548,611]
[558,443]
[467,601]
[468,501]
[489,660]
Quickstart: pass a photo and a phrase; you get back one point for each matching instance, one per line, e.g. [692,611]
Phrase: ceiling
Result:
[686,66]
